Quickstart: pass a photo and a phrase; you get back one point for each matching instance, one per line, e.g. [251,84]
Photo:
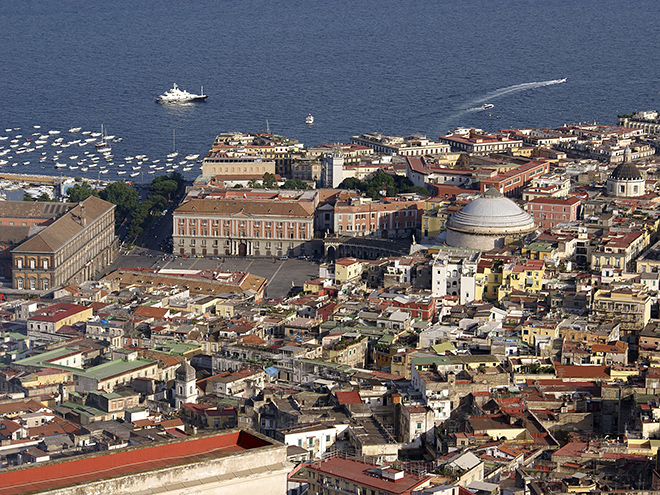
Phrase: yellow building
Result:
[347,269]
[522,277]
[203,305]
[538,251]
[45,377]
[488,279]
[52,318]
[631,307]
[435,216]
[537,328]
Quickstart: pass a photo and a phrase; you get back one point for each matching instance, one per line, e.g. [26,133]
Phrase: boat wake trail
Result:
[470,106]
[516,88]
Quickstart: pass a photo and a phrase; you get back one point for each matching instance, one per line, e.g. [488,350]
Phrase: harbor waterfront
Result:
[105,63]
[372,248]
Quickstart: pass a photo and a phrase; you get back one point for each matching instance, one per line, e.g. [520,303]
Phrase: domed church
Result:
[626,181]
[491,221]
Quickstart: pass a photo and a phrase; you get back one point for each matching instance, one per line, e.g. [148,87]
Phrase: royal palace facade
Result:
[76,246]
[244,227]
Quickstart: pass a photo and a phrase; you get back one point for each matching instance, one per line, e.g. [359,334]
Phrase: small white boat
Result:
[486,106]
[134,174]
[192,157]
[104,171]
[75,129]
[172,155]
[52,133]
[121,172]
[309,120]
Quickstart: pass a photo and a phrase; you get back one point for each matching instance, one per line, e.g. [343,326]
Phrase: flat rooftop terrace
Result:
[97,466]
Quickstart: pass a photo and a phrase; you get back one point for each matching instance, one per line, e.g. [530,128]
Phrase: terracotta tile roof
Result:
[150,312]
[570,371]
[62,230]
[264,207]
[58,312]
[358,472]
[352,397]
[80,470]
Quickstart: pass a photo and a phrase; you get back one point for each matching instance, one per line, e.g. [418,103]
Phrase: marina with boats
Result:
[85,153]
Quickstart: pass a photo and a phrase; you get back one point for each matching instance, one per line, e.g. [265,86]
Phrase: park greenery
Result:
[381,182]
[132,213]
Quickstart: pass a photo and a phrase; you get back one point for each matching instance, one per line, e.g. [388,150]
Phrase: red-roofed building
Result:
[52,318]
[337,474]
[230,461]
[581,373]
[345,398]
[549,212]
[480,144]
[512,183]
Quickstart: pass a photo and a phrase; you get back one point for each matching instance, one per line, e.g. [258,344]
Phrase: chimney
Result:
[83,218]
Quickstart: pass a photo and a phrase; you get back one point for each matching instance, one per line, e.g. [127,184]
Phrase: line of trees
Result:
[138,214]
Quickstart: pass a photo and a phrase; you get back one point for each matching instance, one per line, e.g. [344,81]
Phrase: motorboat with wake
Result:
[177,95]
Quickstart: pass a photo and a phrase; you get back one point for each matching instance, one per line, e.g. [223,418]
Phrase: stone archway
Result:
[332,252]
[242,249]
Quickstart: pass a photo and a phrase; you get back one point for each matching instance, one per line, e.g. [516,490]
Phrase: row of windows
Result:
[242,223]
[32,263]
[361,216]
[32,283]
[268,234]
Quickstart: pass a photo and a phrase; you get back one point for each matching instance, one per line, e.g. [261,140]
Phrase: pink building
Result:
[549,212]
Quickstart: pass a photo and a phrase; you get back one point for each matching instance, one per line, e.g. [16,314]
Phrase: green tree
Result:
[164,186]
[80,192]
[125,197]
[353,183]
[295,184]
[43,198]
[269,180]
[181,182]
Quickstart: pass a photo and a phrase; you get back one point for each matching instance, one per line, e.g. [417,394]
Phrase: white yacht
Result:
[309,120]
[176,95]
[486,106]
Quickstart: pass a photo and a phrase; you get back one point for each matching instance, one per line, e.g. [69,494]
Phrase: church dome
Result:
[185,372]
[626,171]
[492,214]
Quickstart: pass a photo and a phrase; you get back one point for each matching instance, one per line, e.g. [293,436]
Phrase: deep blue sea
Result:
[371,65]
